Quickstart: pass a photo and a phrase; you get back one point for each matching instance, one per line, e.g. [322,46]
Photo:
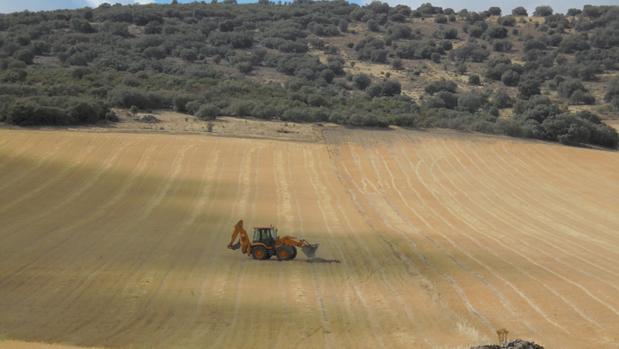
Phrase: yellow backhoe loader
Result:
[266,243]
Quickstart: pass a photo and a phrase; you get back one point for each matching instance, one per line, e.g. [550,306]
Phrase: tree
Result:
[543,11]
[494,11]
[528,87]
[510,78]
[520,11]
[573,12]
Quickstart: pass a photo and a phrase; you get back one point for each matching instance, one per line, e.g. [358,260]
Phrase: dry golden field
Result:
[119,240]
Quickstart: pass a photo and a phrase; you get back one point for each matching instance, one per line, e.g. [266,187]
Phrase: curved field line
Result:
[104,206]
[530,302]
[24,176]
[572,253]
[508,184]
[507,248]
[74,194]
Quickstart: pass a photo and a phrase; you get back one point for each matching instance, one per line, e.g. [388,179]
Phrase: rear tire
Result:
[259,252]
[284,253]
[294,252]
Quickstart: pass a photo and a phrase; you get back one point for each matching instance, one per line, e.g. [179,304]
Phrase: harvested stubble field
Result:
[118,240]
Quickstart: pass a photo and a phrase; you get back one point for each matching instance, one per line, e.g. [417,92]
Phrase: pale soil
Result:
[118,240]
[170,122]
[34,345]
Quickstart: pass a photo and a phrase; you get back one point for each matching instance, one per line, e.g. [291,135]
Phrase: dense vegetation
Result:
[297,62]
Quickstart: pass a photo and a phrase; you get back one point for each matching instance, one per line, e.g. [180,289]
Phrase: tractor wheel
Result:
[259,252]
[284,253]
[294,252]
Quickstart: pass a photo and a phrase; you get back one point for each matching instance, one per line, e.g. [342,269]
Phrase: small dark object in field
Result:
[515,344]
[150,119]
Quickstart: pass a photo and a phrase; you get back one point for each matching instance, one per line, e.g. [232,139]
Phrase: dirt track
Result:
[118,240]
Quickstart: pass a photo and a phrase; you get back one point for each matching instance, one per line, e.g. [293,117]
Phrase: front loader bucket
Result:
[310,250]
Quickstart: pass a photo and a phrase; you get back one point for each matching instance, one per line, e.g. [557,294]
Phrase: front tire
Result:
[284,253]
[259,252]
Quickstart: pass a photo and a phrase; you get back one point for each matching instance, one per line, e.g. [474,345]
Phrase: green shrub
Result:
[208,112]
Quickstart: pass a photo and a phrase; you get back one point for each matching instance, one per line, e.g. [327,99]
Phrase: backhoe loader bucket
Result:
[235,246]
[310,250]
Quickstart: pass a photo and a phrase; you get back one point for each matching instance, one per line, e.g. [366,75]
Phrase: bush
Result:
[567,87]
[612,92]
[391,88]
[208,112]
[373,26]
[528,87]
[362,81]
[441,19]
[450,34]
[474,80]
[502,100]
[580,97]
[441,85]
[374,90]
[470,102]
[470,51]
[502,45]
[507,21]
[496,32]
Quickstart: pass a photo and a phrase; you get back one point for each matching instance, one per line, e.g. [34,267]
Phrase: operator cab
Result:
[265,235]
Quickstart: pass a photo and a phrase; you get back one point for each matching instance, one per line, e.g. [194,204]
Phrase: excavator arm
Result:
[240,233]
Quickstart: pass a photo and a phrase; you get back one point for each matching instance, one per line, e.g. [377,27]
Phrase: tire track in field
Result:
[497,293]
[534,306]
[472,310]
[361,244]
[519,189]
[557,195]
[450,280]
[93,244]
[186,336]
[12,157]
[136,260]
[51,181]
[569,202]
[119,196]
[391,244]
[554,273]
[541,163]
[247,175]
[577,248]
[24,175]
[158,288]
[404,225]
[472,223]
[74,194]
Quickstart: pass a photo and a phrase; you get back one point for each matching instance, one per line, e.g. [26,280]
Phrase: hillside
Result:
[545,76]
[119,240]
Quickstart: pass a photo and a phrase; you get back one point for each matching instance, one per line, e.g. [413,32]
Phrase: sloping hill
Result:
[443,239]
